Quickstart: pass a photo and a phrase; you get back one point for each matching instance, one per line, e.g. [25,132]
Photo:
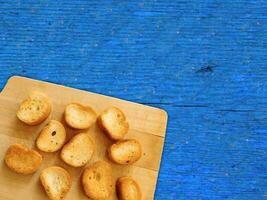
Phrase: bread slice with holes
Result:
[128,189]
[22,160]
[97,181]
[125,152]
[78,116]
[56,182]
[78,151]
[113,122]
[35,109]
[52,137]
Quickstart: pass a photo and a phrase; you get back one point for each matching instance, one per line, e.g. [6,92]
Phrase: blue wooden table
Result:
[203,61]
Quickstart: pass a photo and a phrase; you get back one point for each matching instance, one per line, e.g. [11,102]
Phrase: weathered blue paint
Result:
[203,61]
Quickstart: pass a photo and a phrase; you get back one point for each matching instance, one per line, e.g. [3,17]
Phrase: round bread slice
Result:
[97,181]
[22,160]
[78,151]
[56,181]
[79,117]
[52,137]
[128,189]
[113,122]
[35,109]
[125,152]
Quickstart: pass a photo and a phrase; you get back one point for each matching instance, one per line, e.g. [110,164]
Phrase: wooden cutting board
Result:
[147,124]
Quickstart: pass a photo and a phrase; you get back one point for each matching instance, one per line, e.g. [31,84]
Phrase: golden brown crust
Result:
[78,116]
[22,160]
[78,151]
[125,152]
[35,109]
[56,181]
[97,181]
[113,122]
[128,189]
[52,137]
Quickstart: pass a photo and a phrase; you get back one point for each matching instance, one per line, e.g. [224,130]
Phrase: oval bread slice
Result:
[113,122]
[22,160]
[52,137]
[125,152]
[56,182]
[78,151]
[97,181]
[128,189]
[78,116]
[35,109]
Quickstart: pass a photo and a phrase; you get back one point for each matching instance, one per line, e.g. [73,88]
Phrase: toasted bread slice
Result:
[35,109]
[128,189]
[56,182]
[97,181]
[78,151]
[52,137]
[22,160]
[113,122]
[125,152]
[79,117]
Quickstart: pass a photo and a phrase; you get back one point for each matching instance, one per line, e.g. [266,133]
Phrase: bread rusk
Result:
[125,152]
[22,160]
[56,182]
[128,189]
[78,151]
[35,109]
[113,122]
[78,116]
[52,137]
[97,181]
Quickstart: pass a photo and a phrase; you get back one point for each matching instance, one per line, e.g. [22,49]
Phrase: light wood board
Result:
[147,124]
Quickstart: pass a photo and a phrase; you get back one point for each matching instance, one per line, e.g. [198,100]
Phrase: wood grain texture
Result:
[151,135]
[202,61]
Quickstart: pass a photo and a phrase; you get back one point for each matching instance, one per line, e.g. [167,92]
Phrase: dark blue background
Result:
[204,62]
